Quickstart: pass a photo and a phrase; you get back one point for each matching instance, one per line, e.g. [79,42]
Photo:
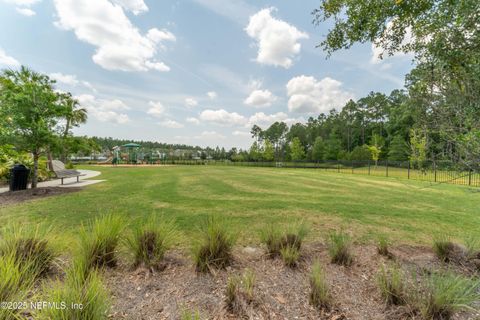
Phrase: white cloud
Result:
[22,3]
[119,44]
[190,102]
[171,124]
[156,110]
[6,60]
[135,6]
[311,96]
[277,40]
[67,79]
[212,95]
[104,110]
[264,120]
[235,10]
[210,135]
[378,55]
[192,120]
[70,80]
[23,6]
[222,117]
[239,133]
[260,98]
[26,12]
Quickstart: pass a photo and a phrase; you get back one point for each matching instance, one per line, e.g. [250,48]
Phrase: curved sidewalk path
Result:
[68,182]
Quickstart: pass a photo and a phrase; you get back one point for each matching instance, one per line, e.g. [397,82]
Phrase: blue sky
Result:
[198,72]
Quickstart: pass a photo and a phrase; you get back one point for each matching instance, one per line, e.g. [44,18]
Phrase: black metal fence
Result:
[439,172]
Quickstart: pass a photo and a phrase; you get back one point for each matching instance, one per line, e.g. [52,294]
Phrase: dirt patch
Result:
[10,198]
[280,292]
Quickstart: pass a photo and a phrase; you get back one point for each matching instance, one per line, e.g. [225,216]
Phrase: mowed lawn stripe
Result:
[409,211]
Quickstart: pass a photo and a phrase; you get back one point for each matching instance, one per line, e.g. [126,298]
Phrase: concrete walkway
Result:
[68,182]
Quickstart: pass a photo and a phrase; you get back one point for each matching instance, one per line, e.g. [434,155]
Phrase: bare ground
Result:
[280,292]
[9,198]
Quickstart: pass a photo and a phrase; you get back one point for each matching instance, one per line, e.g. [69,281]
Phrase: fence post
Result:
[368,167]
[408,170]
[470,177]
[386,164]
[435,172]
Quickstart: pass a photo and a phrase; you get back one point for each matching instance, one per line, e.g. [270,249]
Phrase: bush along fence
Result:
[435,172]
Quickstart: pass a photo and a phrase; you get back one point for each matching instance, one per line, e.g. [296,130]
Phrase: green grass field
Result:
[250,198]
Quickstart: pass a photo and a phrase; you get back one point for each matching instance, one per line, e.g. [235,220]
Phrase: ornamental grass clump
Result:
[339,248]
[285,243]
[29,246]
[150,240]
[215,248]
[290,256]
[81,296]
[99,241]
[382,246]
[16,281]
[320,296]
[392,285]
[248,284]
[442,294]
[231,292]
[443,248]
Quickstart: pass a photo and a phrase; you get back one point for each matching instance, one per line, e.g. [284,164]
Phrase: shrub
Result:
[339,248]
[276,239]
[29,246]
[443,248]
[82,287]
[392,285]
[15,282]
[319,291]
[98,243]
[443,294]
[290,255]
[215,249]
[382,246]
[150,241]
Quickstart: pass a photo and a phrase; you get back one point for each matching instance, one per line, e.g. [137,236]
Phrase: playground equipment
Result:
[128,153]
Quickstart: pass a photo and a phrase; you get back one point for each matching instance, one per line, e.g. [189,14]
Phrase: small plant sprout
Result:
[231,292]
[339,248]
[392,285]
[319,291]
[189,314]
[215,249]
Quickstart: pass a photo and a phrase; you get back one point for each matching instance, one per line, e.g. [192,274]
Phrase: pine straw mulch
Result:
[280,292]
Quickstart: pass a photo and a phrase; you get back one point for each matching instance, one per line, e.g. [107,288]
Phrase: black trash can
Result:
[19,177]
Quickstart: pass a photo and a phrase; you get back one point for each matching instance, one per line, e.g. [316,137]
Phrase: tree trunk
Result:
[50,159]
[35,170]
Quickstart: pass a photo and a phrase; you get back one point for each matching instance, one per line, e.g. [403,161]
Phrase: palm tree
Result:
[74,116]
